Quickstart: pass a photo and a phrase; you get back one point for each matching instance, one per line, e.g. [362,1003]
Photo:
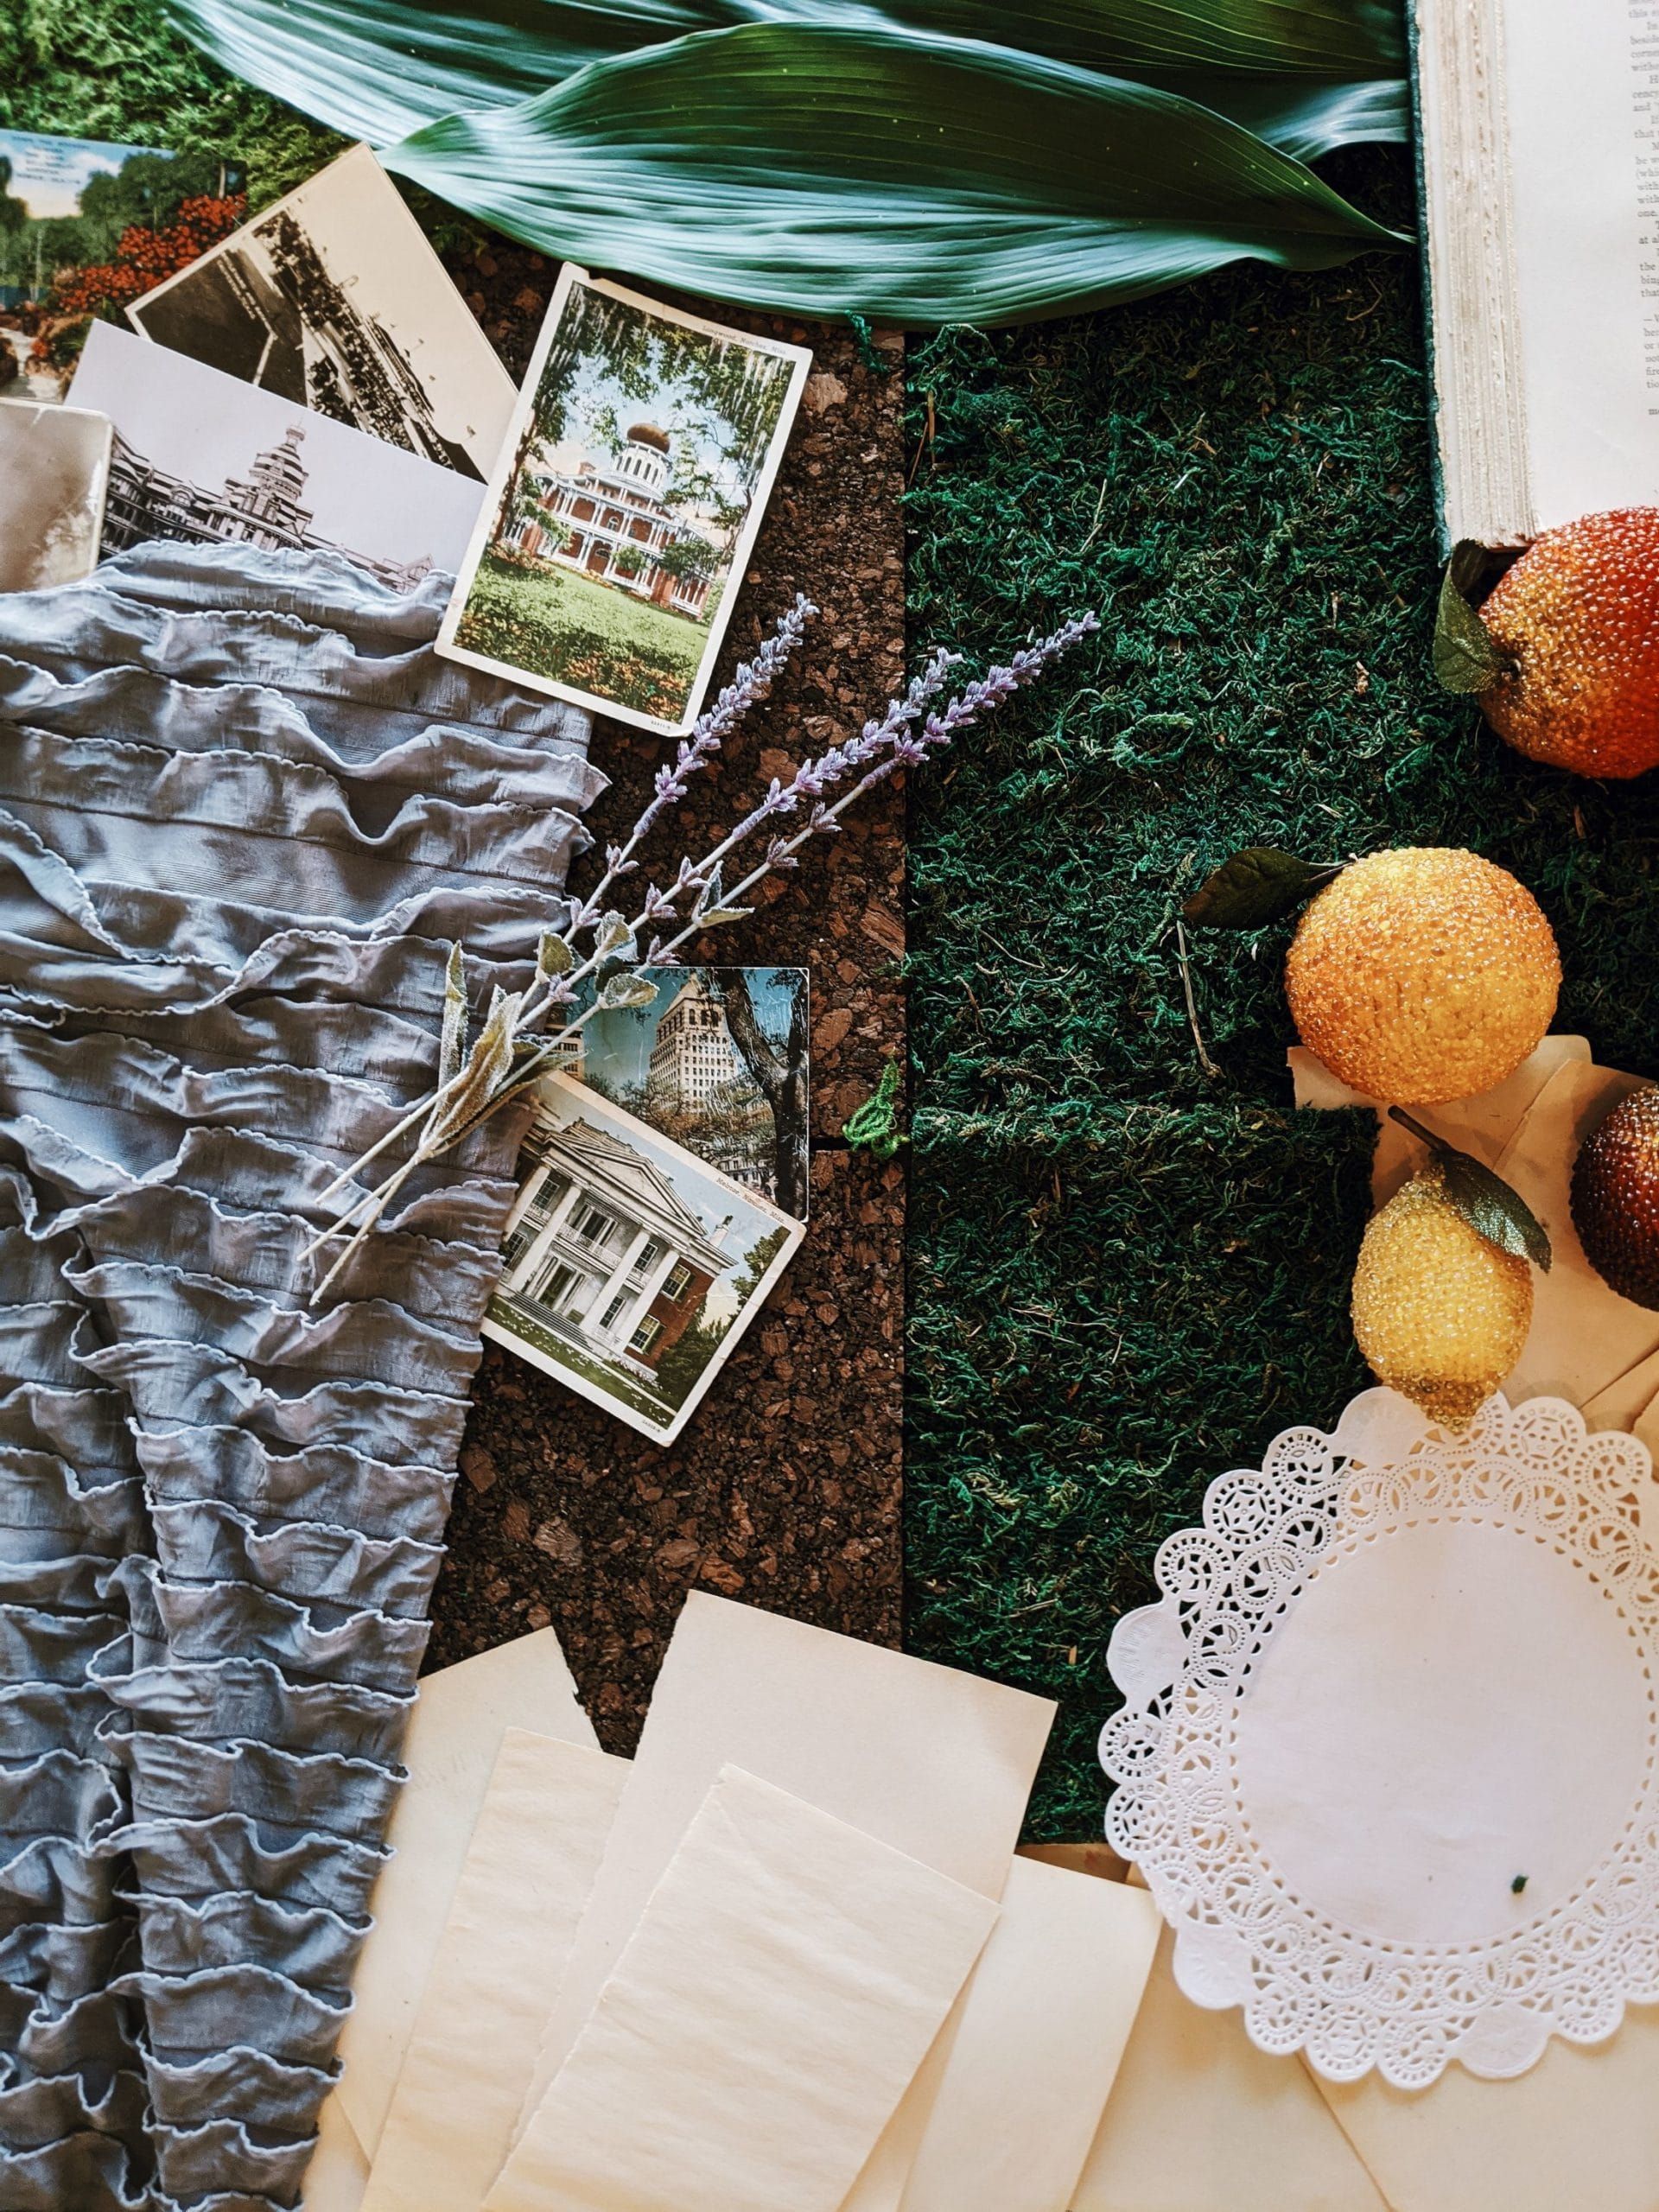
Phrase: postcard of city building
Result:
[203,458]
[718,1061]
[625,504]
[333,298]
[630,1268]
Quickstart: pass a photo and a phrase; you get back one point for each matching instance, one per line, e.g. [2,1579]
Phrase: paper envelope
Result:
[1200,2120]
[1579,2133]
[1043,2026]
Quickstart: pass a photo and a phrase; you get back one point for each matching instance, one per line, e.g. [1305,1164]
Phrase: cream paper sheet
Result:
[1579,2133]
[1200,2120]
[338,2172]
[534,1853]
[781,1987]
[450,1749]
[1483,1125]
[936,1763]
[1044,2024]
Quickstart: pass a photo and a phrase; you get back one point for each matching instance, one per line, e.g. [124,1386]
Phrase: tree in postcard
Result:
[778,1067]
[721,397]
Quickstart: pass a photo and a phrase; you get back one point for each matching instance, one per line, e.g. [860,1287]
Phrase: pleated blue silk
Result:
[245,810]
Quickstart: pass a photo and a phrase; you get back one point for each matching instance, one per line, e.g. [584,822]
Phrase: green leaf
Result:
[1492,1208]
[1258,886]
[1308,76]
[451,1038]
[485,1067]
[713,916]
[1466,659]
[835,168]
[553,954]
[626,991]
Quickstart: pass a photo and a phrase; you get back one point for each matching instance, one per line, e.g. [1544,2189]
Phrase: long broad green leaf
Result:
[1308,74]
[827,170]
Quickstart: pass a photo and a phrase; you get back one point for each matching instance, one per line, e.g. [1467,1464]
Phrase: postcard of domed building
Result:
[622,510]
[630,1267]
[201,456]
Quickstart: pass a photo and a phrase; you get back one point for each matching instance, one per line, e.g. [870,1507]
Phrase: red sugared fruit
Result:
[1576,621]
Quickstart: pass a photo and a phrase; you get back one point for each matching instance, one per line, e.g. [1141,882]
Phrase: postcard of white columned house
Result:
[333,298]
[630,1266]
[621,514]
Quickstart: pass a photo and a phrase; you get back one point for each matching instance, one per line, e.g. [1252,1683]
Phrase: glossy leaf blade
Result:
[824,171]
[1255,886]
[380,69]
[1493,1208]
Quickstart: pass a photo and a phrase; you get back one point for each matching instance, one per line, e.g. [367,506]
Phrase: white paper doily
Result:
[1388,1757]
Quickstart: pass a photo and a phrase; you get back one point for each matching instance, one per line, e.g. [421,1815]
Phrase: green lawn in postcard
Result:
[591,636]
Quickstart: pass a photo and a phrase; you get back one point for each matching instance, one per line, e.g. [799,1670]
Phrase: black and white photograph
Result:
[622,509]
[630,1266]
[718,1060]
[200,457]
[333,299]
[54,467]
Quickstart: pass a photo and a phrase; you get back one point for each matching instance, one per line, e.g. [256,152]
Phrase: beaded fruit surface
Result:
[1439,1313]
[1616,1198]
[1423,974]
[1578,617]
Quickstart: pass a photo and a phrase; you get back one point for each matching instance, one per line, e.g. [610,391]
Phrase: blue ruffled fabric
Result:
[245,810]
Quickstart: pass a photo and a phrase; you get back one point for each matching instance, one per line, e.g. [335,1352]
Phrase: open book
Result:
[1539,124]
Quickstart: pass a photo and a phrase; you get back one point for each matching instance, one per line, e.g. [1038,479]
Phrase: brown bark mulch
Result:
[784,1490]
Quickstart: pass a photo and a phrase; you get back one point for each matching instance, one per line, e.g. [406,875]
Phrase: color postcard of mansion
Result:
[612,522]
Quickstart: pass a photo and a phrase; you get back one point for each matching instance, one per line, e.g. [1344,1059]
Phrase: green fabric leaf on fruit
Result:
[1258,886]
[1493,1208]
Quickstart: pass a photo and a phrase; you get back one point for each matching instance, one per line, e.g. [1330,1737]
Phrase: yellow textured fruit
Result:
[1423,974]
[1439,1313]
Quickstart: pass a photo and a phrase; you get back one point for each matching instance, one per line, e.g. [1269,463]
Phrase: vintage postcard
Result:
[333,299]
[622,510]
[54,467]
[630,1267]
[198,456]
[84,225]
[718,1061]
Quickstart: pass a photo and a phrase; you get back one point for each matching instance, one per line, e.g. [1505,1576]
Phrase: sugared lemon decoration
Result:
[1440,1311]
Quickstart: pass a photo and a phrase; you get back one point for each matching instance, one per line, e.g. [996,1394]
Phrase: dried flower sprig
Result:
[511,1051]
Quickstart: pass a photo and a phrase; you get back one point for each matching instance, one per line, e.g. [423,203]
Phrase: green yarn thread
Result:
[874,1125]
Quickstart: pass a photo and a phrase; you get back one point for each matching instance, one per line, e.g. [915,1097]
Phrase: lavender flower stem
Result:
[881,748]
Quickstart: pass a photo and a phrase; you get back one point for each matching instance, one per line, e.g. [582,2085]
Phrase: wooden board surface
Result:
[785,1491]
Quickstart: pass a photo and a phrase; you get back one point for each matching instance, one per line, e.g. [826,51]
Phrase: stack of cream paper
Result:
[768,1950]
[762,1968]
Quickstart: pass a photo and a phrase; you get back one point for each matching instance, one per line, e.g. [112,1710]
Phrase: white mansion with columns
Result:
[611,521]
[600,1247]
